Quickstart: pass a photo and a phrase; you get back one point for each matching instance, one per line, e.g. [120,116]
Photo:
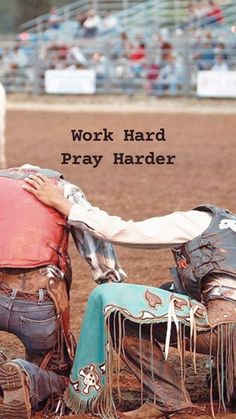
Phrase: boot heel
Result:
[16,404]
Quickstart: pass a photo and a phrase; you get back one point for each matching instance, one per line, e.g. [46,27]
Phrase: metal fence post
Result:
[36,88]
[39,26]
[187,88]
[95,5]
[125,4]
[66,13]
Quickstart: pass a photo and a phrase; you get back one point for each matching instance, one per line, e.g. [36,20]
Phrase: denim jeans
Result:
[34,323]
[42,384]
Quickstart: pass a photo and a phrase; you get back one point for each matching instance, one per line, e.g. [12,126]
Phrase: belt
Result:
[13,293]
[221,292]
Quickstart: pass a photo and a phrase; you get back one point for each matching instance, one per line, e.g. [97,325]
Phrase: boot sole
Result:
[16,396]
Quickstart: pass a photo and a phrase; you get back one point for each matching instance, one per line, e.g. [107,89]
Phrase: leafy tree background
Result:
[15,12]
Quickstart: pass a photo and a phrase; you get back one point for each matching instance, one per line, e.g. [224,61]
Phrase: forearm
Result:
[63,205]
[155,232]
[175,228]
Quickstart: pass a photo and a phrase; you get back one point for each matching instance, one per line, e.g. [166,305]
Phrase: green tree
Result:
[29,9]
[15,12]
[8,12]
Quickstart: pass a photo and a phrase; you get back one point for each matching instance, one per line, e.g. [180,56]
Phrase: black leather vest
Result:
[213,252]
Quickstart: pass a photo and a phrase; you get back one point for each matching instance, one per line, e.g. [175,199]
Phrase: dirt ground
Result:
[204,171]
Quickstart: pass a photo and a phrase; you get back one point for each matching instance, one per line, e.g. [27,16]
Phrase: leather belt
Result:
[13,293]
[28,281]
[222,293]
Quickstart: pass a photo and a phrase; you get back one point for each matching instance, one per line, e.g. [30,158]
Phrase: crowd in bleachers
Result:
[16,65]
[204,12]
[89,24]
[159,63]
[86,25]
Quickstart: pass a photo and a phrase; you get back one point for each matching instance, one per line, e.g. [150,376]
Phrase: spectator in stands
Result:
[81,18]
[54,19]
[15,64]
[56,56]
[77,58]
[171,76]
[166,51]
[201,12]
[215,13]
[5,62]
[109,24]
[220,64]
[18,58]
[206,58]
[101,64]
[124,74]
[126,44]
[152,74]
[122,69]
[122,47]
[91,24]
[137,59]
[221,49]
[191,18]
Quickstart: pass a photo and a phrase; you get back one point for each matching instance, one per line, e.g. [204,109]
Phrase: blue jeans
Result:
[42,384]
[34,323]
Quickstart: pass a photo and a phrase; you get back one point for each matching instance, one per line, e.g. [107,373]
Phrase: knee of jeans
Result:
[26,365]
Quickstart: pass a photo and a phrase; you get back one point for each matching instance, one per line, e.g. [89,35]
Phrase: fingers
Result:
[36,180]
[33,183]
[42,177]
[29,189]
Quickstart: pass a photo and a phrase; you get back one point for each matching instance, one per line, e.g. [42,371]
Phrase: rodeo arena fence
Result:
[156,47]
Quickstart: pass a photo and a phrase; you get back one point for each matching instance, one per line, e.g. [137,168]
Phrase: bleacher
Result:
[69,12]
[132,15]
[171,15]
[173,42]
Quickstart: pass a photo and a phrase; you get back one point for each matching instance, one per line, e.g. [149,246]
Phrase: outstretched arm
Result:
[156,232]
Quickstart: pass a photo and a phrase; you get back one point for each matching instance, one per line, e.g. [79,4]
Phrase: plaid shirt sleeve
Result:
[99,254]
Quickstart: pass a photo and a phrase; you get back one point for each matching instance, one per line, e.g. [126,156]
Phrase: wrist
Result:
[63,205]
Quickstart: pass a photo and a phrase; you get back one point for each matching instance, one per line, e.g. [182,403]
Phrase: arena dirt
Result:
[204,171]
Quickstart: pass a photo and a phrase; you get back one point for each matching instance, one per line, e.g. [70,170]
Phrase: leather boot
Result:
[150,411]
[147,411]
[15,385]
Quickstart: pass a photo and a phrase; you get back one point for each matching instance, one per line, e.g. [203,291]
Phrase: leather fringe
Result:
[103,404]
[224,355]
[223,375]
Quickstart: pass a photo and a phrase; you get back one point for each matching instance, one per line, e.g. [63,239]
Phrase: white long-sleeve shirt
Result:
[152,233]
[156,232]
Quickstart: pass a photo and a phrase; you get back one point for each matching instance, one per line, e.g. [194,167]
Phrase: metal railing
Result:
[171,14]
[147,66]
[70,12]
